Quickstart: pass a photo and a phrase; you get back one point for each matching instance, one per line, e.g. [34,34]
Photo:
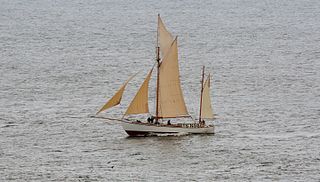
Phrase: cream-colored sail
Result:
[206,111]
[139,104]
[171,102]
[115,100]
[165,37]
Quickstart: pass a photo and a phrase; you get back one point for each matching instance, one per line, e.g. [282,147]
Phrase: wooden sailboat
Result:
[170,102]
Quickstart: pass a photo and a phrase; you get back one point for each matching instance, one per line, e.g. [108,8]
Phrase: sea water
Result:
[61,60]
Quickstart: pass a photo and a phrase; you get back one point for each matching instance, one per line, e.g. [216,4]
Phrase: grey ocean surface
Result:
[61,60]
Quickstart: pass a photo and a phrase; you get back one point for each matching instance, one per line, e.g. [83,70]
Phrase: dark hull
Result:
[141,133]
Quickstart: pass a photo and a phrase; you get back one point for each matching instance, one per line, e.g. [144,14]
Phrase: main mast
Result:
[158,72]
[201,94]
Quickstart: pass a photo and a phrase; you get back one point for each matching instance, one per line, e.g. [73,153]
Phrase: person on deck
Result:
[203,123]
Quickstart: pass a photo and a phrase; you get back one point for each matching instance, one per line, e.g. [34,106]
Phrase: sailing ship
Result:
[170,102]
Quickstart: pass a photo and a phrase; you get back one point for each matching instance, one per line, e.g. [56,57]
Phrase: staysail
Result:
[165,38]
[206,111]
[115,100]
[170,102]
[139,104]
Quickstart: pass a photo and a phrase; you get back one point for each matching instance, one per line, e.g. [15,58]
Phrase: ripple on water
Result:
[61,60]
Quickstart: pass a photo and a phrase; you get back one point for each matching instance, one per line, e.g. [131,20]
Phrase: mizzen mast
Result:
[158,72]
[202,80]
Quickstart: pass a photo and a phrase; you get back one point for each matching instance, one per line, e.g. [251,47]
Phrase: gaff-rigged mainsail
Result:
[170,102]
[206,111]
[115,100]
[139,104]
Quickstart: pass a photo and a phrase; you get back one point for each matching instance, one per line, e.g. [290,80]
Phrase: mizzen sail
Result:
[206,111]
[116,99]
[171,102]
[139,104]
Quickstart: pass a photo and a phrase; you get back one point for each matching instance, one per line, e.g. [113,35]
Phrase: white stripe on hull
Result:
[136,129]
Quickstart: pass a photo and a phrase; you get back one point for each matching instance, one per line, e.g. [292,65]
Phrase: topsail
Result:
[165,38]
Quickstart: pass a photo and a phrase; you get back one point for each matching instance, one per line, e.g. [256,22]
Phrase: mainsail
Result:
[115,100]
[206,111]
[170,102]
[139,104]
[165,38]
